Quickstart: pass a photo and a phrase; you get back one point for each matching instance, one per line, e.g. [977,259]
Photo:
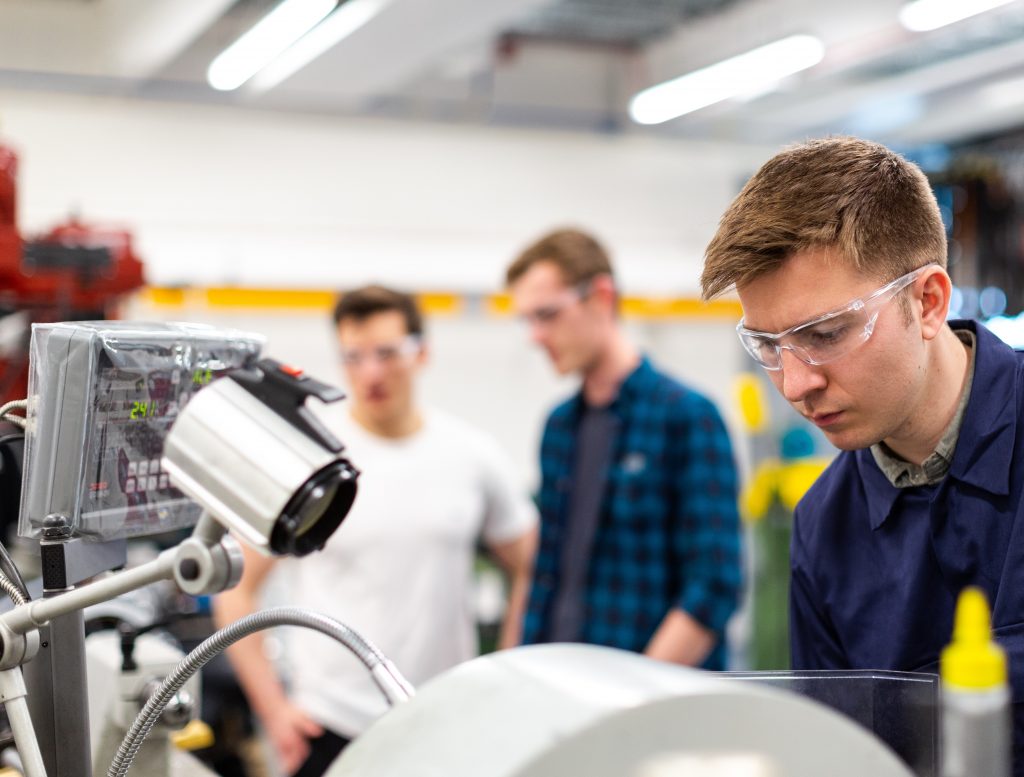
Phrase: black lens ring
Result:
[283,538]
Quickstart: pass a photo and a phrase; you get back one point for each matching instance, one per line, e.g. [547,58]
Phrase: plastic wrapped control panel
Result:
[102,396]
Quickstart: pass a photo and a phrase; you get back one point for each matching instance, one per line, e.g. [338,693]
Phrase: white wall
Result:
[219,195]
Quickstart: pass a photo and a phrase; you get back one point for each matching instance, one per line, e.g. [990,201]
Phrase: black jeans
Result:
[322,752]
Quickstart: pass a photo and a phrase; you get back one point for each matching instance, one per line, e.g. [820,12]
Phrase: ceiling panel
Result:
[549,63]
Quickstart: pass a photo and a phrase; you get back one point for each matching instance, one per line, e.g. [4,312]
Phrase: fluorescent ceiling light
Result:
[743,74]
[925,15]
[273,34]
[352,15]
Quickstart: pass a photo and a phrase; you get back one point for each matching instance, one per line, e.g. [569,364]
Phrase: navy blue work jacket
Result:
[876,569]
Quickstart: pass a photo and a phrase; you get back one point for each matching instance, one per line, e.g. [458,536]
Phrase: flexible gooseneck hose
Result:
[12,590]
[388,679]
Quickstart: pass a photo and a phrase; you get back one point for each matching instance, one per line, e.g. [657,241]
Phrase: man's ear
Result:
[603,288]
[936,292]
[423,355]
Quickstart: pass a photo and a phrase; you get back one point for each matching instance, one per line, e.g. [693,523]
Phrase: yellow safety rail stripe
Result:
[432,303]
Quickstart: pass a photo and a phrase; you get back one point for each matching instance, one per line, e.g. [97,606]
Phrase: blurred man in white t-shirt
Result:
[399,569]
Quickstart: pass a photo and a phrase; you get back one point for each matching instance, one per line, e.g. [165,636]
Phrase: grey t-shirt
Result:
[595,442]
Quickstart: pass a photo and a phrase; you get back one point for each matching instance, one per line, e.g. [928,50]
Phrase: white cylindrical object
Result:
[557,710]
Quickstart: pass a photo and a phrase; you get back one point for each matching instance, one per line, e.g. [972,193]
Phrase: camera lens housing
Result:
[249,452]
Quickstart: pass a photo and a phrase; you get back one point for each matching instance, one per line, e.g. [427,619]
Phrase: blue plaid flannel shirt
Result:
[669,527]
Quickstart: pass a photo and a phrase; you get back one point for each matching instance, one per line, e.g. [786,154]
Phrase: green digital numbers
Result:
[142,410]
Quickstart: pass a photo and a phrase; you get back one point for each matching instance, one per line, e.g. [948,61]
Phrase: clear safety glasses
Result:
[389,353]
[549,313]
[827,337]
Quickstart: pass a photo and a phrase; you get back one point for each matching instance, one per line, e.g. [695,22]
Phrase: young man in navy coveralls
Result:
[838,253]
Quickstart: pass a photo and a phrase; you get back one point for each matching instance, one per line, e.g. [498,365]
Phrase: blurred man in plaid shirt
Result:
[639,541]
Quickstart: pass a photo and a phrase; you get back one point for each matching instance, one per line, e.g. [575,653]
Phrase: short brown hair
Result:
[577,255]
[359,304]
[859,197]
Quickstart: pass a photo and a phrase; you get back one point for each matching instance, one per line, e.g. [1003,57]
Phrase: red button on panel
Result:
[287,369]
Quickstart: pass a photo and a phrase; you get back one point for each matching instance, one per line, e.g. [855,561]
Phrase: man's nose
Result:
[375,367]
[538,333]
[798,378]
[368,369]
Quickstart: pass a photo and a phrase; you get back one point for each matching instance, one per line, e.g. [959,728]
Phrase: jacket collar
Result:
[984,450]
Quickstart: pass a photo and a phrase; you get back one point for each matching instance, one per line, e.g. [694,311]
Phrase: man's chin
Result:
[848,441]
[564,369]
[377,409]
[560,365]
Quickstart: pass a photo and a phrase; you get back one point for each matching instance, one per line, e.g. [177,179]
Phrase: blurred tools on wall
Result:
[786,460]
[73,272]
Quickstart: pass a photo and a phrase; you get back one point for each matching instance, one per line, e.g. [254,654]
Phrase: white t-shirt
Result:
[399,568]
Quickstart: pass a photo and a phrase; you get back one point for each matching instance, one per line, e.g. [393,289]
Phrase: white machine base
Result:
[560,710]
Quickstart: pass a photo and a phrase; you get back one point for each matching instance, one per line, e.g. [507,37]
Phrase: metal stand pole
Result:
[58,701]
[211,562]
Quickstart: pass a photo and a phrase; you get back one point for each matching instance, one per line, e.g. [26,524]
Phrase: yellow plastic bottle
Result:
[976,723]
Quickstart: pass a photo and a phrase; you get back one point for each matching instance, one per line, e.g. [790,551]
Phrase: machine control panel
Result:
[102,397]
